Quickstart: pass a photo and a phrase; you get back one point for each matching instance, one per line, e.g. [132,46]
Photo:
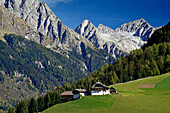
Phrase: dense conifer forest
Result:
[40,69]
[39,63]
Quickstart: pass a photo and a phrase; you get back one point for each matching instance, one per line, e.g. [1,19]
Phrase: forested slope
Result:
[29,69]
[151,60]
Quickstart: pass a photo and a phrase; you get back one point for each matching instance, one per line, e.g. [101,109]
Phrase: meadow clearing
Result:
[131,99]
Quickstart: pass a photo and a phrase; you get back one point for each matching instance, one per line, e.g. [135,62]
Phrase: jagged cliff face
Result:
[10,23]
[119,42]
[76,56]
[40,24]
[139,28]
[41,18]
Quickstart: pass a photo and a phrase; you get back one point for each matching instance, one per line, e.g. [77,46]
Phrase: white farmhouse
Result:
[99,89]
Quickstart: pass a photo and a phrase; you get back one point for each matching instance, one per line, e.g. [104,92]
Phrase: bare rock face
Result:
[14,24]
[10,23]
[119,42]
[40,24]
[41,18]
[35,21]
[139,28]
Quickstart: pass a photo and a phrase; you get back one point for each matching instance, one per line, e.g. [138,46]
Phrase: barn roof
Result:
[67,93]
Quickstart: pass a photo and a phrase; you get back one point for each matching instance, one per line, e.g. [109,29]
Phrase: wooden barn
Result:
[67,95]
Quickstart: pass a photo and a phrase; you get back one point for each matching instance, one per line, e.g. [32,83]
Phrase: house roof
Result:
[67,93]
[99,85]
[112,89]
[81,90]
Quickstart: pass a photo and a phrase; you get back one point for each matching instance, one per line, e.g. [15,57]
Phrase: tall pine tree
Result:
[33,106]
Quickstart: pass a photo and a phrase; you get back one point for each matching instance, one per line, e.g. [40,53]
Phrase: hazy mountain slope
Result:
[117,42]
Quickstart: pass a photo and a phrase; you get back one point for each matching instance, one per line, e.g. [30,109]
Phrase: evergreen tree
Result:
[115,78]
[89,82]
[168,49]
[120,71]
[162,49]
[160,63]
[47,100]
[17,108]
[131,69]
[148,70]
[148,52]
[33,106]
[155,51]
[52,98]
[1,77]
[167,64]
[154,68]
[11,110]
[41,103]
[138,69]
[57,97]
[22,107]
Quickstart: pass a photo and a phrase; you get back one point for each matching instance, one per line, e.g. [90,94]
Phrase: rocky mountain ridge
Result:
[139,27]
[48,29]
[36,22]
[41,18]
[118,42]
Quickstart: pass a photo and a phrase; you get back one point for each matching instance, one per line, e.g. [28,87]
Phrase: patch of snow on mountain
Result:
[118,42]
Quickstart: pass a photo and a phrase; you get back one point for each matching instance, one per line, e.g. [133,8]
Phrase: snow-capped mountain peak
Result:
[139,27]
[118,42]
[104,29]
[85,27]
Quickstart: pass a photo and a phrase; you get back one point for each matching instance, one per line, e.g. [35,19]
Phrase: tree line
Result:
[34,105]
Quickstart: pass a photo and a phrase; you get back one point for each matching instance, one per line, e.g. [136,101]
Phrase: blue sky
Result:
[112,13]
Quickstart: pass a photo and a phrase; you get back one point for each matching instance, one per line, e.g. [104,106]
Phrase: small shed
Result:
[82,92]
[113,90]
[76,94]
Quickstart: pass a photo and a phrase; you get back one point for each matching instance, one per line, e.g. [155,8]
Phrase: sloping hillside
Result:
[37,68]
[131,99]
[38,54]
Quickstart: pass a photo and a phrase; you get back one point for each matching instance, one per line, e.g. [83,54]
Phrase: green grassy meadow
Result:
[131,99]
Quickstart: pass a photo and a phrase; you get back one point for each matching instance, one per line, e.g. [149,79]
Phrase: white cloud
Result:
[55,1]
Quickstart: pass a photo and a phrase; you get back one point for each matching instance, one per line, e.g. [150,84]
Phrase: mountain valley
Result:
[39,53]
